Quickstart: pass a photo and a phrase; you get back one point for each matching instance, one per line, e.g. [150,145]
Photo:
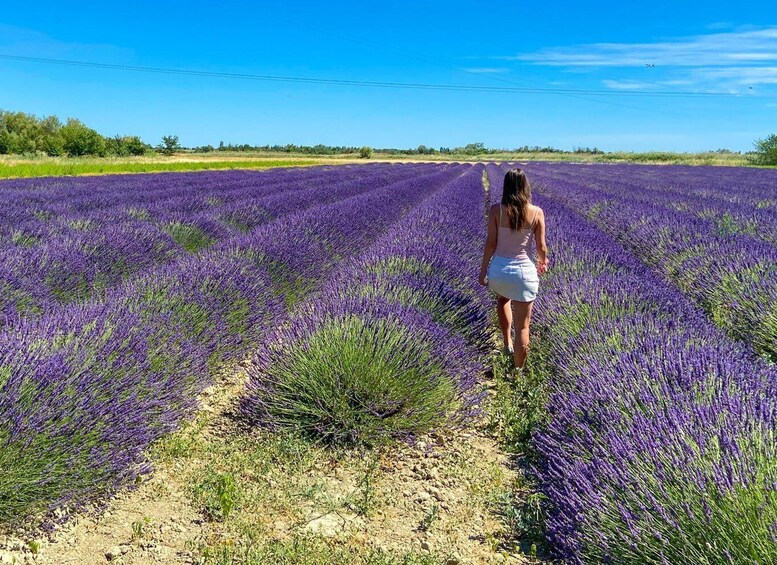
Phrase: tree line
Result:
[469,149]
[25,134]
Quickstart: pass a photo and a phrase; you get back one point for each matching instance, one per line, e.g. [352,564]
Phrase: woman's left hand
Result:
[483,280]
[542,266]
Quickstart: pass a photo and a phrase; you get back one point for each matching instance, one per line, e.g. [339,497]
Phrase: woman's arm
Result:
[490,246]
[539,240]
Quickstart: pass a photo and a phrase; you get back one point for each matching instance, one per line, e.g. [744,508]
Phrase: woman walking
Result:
[507,268]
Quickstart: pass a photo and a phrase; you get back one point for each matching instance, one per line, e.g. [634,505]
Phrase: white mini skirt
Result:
[516,279]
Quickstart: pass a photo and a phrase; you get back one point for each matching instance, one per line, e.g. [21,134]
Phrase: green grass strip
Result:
[43,169]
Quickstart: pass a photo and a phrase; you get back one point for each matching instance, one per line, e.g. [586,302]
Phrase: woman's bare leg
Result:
[522,318]
[505,313]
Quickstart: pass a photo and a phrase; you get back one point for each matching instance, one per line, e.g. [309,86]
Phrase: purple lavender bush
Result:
[396,339]
[298,251]
[80,248]
[356,371]
[85,391]
[659,445]
[86,388]
[712,233]
[426,259]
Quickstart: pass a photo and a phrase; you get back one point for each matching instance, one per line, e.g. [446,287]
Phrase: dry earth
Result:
[434,499]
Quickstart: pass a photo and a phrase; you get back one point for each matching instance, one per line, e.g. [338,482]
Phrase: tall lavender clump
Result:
[660,445]
[85,388]
[395,341]
[356,371]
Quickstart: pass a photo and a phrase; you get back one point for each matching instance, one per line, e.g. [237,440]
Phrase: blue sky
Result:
[726,52]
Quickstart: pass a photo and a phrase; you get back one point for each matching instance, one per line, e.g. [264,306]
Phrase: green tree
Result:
[49,137]
[126,145]
[766,151]
[77,139]
[53,145]
[115,146]
[135,145]
[365,152]
[26,133]
[19,132]
[474,149]
[169,145]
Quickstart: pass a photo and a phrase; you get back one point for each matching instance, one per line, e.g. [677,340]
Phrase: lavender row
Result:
[731,276]
[35,200]
[64,206]
[735,200]
[660,442]
[84,263]
[397,337]
[84,390]
[495,174]
[217,204]
[426,261]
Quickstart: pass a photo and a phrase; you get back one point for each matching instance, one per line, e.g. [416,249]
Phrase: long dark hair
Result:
[516,197]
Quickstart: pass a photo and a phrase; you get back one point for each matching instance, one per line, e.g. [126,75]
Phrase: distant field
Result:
[652,157]
[41,167]
[16,166]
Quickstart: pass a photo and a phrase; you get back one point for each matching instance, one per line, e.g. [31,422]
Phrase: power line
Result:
[360,83]
[426,59]
[570,93]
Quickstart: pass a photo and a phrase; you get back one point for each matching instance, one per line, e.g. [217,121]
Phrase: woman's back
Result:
[506,267]
[515,243]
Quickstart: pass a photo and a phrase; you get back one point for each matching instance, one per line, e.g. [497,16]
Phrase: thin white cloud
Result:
[486,70]
[714,49]
[702,84]
[752,57]
[745,76]
[625,84]
[725,60]
[677,82]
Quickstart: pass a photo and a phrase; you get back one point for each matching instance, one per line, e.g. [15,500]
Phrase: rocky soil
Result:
[434,498]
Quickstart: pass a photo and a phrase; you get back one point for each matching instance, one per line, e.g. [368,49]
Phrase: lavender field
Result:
[659,319]
[647,414]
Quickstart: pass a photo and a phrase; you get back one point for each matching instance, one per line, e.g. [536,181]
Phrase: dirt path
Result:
[435,498]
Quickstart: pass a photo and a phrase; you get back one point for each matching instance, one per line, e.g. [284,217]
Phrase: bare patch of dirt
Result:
[434,498]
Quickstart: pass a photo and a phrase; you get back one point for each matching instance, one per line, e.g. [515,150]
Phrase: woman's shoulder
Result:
[494,209]
[536,215]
